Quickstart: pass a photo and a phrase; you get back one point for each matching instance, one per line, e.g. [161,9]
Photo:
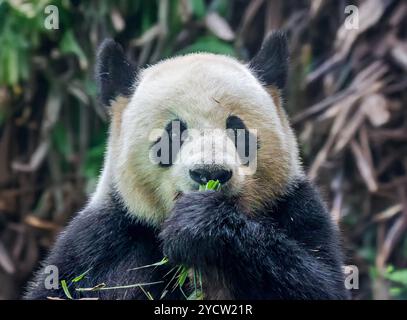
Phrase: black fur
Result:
[270,64]
[107,242]
[288,251]
[115,75]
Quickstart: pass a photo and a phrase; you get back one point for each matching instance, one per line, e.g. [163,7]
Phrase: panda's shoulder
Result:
[303,199]
[104,225]
[100,218]
[302,212]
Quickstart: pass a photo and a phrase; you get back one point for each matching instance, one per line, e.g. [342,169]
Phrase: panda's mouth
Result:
[227,190]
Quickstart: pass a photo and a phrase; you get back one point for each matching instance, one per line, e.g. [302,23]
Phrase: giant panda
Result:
[266,234]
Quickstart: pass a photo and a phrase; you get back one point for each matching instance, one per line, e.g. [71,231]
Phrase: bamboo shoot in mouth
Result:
[195,276]
[182,272]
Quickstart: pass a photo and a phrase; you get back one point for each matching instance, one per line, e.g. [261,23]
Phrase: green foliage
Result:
[81,276]
[398,280]
[66,289]
[209,44]
[220,6]
[162,262]
[65,286]
[69,44]
[60,141]
[15,32]
[210,185]
[94,161]
[198,8]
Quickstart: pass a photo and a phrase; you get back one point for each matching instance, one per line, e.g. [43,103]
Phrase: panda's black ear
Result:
[115,75]
[270,64]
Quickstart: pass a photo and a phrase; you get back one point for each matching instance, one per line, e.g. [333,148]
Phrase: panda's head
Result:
[186,120]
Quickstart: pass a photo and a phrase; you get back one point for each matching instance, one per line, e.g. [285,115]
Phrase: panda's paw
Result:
[200,225]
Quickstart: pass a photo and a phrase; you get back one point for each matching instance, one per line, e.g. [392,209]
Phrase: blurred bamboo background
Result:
[346,96]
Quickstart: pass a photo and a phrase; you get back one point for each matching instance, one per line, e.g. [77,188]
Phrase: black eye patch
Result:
[235,128]
[171,143]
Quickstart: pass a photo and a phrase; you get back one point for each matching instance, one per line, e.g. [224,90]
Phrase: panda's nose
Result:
[203,175]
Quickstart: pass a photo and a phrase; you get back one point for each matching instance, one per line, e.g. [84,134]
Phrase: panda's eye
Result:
[173,131]
[235,129]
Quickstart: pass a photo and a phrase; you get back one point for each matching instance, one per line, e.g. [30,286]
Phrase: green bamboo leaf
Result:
[399,276]
[182,276]
[210,185]
[69,44]
[66,290]
[103,287]
[12,67]
[159,263]
[80,277]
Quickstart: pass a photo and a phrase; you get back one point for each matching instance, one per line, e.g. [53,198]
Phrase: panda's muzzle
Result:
[203,174]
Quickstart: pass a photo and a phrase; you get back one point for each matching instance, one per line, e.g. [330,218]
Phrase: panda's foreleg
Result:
[252,257]
[107,245]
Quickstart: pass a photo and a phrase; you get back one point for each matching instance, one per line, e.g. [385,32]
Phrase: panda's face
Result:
[197,118]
